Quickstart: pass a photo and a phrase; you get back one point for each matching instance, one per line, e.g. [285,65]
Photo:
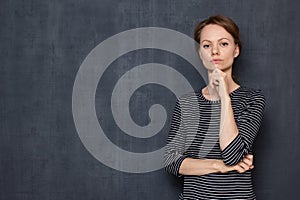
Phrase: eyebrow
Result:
[218,40]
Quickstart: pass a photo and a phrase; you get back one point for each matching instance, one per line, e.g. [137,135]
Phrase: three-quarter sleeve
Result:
[248,121]
[175,148]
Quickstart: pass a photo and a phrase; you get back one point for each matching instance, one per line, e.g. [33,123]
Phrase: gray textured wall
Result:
[43,44]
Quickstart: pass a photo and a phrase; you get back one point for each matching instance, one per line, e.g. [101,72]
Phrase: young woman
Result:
[213,129]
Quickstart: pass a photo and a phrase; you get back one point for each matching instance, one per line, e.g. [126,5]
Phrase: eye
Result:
[224,44]
[206,46]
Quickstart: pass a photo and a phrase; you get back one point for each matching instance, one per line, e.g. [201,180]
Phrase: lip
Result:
[216,60]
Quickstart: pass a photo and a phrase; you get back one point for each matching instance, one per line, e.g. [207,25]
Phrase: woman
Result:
[213,129]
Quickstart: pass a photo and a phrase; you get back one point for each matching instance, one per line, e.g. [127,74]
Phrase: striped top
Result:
[194,133]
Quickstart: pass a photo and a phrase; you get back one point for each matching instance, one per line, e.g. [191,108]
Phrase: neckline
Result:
[219,100]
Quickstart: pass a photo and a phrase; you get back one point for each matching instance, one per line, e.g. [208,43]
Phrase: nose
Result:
[215,50]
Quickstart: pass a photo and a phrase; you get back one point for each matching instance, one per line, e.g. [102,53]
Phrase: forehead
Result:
[214,32]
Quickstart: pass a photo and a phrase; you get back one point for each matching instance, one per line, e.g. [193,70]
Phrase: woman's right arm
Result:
[198,167]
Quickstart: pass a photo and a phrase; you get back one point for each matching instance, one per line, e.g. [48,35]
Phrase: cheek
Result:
[230,60]
[206,60]
[204,55]
[230,55]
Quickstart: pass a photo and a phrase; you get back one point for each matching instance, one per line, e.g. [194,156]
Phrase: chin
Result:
[223,68]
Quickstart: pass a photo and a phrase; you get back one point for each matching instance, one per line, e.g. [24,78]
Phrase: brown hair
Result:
[228,24]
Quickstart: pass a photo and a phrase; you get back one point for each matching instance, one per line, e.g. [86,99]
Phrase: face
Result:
[217,48]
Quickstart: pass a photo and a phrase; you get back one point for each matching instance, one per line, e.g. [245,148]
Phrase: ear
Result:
[236,51]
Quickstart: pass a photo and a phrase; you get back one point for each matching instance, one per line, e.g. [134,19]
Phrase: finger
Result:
[211,83]
[247,161]
[242,169]
[218,75]
[213,66]
[217,70]
[210,79]
[249,156]
[216,82]
[244,165]
[250,167]
[239,169]
[215,77]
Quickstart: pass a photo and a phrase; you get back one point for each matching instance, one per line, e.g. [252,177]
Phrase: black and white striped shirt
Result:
[194,133]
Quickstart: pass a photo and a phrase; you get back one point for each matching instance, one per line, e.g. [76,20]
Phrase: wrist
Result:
[226,99]
[217,165]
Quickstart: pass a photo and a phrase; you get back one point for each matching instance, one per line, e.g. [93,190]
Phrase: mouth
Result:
[216,61]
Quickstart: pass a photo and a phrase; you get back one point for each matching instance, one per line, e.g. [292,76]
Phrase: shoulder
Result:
[188,101]
[188,97]
[250,95]
[250,92]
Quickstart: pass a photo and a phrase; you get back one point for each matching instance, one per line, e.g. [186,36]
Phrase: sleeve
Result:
[248,122]
[175,148]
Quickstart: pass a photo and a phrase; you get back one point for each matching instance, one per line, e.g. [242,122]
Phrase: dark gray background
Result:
[43,44]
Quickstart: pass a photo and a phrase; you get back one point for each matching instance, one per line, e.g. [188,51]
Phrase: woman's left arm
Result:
[237,136]
[228,128]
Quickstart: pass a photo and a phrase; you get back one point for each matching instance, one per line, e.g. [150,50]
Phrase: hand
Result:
[243,166]
[218,81]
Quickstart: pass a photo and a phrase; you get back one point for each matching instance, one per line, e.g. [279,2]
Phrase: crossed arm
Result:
[235,150]
[190,166]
